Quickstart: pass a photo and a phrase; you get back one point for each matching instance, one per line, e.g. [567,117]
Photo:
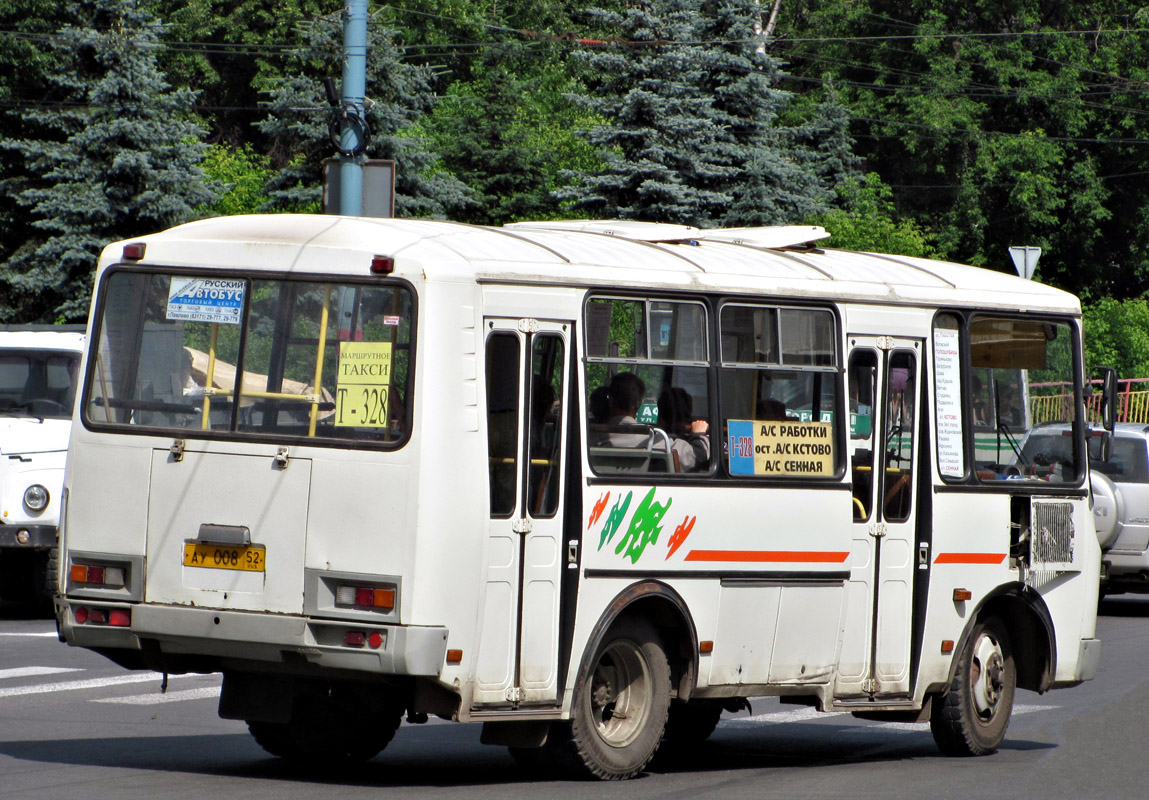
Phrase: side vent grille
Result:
[1052,539]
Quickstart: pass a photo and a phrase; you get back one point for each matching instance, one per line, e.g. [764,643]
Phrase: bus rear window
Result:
[266,357]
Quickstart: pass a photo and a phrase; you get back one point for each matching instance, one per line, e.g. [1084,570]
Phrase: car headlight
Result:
[36,497]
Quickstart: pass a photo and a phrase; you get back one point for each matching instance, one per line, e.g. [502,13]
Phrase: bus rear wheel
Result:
[332,729]
[620,711]
[972,717]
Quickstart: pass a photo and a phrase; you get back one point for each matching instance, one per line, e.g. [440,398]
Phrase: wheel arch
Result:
[662,606]
[1029,624]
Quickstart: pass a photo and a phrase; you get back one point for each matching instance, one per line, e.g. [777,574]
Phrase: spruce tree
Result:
[398,94]
[694,130]
[116,155]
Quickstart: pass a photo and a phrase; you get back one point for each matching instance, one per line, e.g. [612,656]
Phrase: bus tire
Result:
[322,732]
[971,718]
[620,711]
[692,722]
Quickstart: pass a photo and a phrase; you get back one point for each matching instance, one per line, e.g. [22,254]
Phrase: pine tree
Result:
[117,155]
[694,132]
[509,134]
[398,95]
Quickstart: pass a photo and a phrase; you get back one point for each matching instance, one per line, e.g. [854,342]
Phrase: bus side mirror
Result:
[1105,447]
[1108,397]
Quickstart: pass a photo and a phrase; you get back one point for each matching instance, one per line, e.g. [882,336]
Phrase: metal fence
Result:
[1047,403]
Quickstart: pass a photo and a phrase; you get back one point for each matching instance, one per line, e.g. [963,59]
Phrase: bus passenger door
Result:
[527,399]
[884,380]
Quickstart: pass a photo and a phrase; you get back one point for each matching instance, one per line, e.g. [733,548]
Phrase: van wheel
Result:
[971,719]
[44,574]
[620,711]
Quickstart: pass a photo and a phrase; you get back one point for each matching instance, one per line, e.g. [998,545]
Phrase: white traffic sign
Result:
[1025,260]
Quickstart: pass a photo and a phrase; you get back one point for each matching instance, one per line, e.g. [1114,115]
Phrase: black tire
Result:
[972,717]
[692,722]
[44,575]
[329,730]
[620,709]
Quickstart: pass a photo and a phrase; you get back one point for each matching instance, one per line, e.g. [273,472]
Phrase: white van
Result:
[38,368]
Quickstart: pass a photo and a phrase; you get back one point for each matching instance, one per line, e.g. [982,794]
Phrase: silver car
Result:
[1125,541]
[1120,488]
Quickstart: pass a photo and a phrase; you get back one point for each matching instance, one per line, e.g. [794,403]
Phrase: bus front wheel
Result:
[971,718]
[620,712]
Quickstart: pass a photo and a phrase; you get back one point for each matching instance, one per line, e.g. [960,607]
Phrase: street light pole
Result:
[353,132]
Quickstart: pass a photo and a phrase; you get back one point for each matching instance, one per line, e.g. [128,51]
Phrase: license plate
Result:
[217,556]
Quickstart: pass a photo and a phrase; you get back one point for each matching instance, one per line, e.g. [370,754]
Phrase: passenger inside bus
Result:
[770,409]
[689,437]
[624,396]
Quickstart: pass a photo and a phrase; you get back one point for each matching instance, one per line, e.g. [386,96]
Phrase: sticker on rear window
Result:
[205,300]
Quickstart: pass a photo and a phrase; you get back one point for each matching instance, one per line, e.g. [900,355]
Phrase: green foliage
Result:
[1117,335]
[242,174]
[511,137]
[866,219]
[231,51]
[115,153]
[692,132]
[997,124]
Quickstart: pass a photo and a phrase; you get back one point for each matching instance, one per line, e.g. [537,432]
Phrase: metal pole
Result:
[354,91]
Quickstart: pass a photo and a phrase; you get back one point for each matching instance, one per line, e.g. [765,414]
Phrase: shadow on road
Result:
[1125,605]
[11,609]
[441,755]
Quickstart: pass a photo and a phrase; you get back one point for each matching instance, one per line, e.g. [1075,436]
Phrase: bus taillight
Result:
[365,597]
[92,575]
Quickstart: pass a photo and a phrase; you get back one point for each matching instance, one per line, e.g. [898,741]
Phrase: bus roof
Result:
[591,253]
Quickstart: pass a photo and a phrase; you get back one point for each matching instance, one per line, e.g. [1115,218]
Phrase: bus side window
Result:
[545,422]
[863,368]
[502,420]
[899,437]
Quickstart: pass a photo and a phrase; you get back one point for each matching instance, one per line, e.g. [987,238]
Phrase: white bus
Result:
[588,483]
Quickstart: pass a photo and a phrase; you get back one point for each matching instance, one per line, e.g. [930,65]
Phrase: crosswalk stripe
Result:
[156,697]
[94,683]
[28,672]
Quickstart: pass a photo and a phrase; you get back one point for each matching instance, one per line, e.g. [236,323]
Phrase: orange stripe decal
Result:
[769,556]
[969,558]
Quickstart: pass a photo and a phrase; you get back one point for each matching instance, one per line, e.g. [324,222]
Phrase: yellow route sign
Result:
[363,385]
[787,448]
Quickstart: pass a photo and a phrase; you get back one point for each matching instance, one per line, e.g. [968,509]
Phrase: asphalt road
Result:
[73,725]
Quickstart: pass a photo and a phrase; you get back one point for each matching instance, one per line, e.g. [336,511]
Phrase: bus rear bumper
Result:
[178,635]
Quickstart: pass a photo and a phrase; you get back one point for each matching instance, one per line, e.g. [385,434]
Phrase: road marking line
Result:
[95,683]
[27,672]
[157,697]
[919,727]
[48,633]
[802,714]
[776,717]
